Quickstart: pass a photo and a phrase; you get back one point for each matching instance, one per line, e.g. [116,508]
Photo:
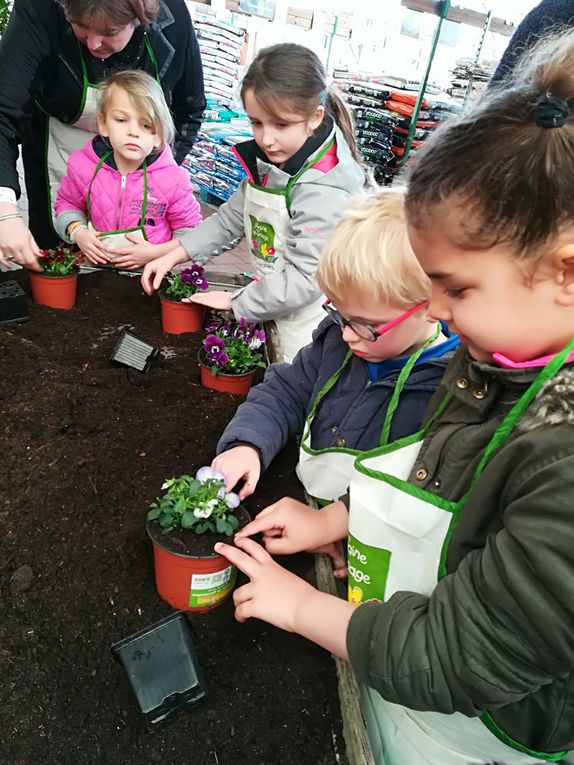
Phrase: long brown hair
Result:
[120,12]
[292,75]
[508,164]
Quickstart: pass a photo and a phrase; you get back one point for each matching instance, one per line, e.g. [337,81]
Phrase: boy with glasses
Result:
[368,375]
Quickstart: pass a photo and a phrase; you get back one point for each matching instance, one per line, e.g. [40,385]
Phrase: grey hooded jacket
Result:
[497,633]
[318,200]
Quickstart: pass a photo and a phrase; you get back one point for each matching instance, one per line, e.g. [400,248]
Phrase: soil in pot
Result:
[189,575]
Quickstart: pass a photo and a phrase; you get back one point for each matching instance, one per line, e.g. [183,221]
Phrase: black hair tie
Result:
[551,112]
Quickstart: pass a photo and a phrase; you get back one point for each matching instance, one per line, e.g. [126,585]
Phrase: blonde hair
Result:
[146,96]
[368,252]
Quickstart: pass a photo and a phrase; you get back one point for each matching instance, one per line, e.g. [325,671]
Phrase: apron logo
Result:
[262,240]
[368,570]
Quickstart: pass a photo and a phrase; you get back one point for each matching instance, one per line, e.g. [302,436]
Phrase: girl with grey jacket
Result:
[302,168]
[460,622]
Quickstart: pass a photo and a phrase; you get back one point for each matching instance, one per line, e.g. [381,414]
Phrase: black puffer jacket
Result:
[41,65]
[548,15]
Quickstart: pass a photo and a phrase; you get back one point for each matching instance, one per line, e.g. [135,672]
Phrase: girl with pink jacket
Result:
[124,186]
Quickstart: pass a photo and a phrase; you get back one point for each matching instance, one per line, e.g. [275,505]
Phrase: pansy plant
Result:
[61,261]
[198,503]
[187,282]
[233,347]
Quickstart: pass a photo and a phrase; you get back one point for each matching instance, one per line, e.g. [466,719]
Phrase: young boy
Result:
[377,345]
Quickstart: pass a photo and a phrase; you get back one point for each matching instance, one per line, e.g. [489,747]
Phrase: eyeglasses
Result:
[365,331]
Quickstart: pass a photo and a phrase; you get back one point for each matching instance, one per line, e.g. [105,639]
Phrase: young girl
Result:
[302,169]
[124,185]
[462,537]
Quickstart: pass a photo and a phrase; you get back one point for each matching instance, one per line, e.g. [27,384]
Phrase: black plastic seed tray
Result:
[13,303]
[162,667]
[132,351]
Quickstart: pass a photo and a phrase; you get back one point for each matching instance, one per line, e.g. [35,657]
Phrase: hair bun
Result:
[551,111]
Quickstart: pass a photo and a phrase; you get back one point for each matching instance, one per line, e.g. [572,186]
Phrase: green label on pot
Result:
[207,589]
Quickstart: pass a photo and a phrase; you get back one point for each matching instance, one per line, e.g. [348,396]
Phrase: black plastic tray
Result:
[13,303]
[162,667]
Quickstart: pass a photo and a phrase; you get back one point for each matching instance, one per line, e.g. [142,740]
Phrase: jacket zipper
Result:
[121,201]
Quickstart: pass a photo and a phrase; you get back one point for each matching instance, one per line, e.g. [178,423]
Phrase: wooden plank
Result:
[357,743]
[461,15]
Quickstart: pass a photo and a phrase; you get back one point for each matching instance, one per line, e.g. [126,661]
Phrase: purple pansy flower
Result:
[221,360]
[204,474]
[186,276]
[214,346]
[232,500]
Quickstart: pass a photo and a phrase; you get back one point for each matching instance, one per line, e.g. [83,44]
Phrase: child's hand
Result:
[273,594]
[91,246]
[155,270]
[136,256]
[239,462]
[289,526]
[217,299]
[335,551]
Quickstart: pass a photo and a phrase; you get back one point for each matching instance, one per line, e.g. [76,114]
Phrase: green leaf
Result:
[221,525]
[165,521]
[179,506]
[201,528]
[154,513]
[187,520]
[233,521]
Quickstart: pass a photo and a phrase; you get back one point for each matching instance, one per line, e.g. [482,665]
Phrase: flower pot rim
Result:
[234,375]
[156,541]
[74,272]
[168,299]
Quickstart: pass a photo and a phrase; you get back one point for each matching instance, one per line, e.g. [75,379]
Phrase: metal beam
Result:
[461,15]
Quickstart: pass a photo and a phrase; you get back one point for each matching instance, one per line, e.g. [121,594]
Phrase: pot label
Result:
[207,589]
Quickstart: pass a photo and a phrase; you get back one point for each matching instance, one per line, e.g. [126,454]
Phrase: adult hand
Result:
[16,242]
[155,270]
[217,299]
[241,462]
[91,246]
[273,594]
[289,526]
[136,256]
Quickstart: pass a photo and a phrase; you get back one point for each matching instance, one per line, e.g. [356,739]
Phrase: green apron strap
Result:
[152,57]
[304,169]
[516,412]
[324,390]
[85,84]
[400,384]
[144,198]
[98,166]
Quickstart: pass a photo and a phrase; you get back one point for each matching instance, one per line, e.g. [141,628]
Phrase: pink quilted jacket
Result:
[170,203]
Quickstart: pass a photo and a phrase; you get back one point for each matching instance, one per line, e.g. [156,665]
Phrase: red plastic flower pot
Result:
[178,318]
[238,384]
[53,290]
[191,583]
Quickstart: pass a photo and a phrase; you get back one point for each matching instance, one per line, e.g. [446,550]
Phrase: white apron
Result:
[326,473]
[65,138]
[398,541]
[266,219]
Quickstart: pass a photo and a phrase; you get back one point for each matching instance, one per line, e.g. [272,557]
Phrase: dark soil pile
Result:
[85,447]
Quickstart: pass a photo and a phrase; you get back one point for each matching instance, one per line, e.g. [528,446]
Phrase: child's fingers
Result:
[256,551]
[258,525]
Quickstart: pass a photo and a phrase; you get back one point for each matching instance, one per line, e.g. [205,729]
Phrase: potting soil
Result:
[86,446]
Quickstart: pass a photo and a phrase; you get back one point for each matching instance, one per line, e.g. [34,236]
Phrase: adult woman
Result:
[51,55]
